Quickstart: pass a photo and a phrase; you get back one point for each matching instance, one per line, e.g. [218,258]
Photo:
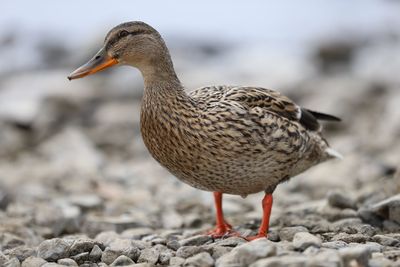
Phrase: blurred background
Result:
[71,156]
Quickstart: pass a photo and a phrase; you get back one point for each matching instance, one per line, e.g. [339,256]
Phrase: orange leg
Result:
[267,206]
[222,228]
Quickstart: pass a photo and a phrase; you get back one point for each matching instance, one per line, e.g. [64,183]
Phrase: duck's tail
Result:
[333,153]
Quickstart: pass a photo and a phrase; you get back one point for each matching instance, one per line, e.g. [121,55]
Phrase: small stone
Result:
[334,244]
[67,262]
[287,233]
[173,244]
[303,240]
[165,256]
[218,251]
[120,247]
[9,241]
[21,252]
[176,261]
[82,245]
[95,254]
[195,240]
[137,233]
[188,251]
[3,258]
[122,261]
[159,241]
[358,255]
[230,242]
[53,249]
[81,257]
[200,260]
[13,262]
[33,262]
[248,253]
[353,238]
[386,240]
[106,237]
[288,260]
[340,200]
[149,255]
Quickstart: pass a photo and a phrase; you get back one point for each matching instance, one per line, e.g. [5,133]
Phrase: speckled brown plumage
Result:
[227,139]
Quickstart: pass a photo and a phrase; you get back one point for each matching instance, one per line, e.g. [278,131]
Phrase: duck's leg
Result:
[267,206]
[222,228]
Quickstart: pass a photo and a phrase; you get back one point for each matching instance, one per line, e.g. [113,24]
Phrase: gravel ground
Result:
[78,188]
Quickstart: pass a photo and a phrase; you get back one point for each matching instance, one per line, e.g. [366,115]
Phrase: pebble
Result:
[149,255]
[83,245]
[303,240]
[33,261]
[176,261]
[174,244]
[188,251]
[67,262]
[248,253]
[53,249]
[386,240]
[334,244]
[195,240]
[21,253]
[202,259]
[95,253]
[81,257]
[122,261]
[165,256]
[13,262]
[340,200]
[120,247]
[287,233]
[355,255]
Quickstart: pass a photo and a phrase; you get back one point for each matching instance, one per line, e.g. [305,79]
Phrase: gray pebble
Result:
[149,255]
[248,253]
[9,241]
[195,240]
[137,233]
[106,237]
[386,240]
[334,244]
[53,249]
[357,254]
[81,257]
[288,260]
[173,244]
[83,245]
[122,261]
[340,200]
[303,240]
[95,254]
[287,233]
[188,251]
[13,262]
[165,256]
[353,238]
[230,242]
[176,261]
[218,251]
[67,262]
[202,259]
[120,247]
[33,262]
[21,253]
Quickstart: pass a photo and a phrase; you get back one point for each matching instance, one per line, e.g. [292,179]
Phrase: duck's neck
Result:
[160,78]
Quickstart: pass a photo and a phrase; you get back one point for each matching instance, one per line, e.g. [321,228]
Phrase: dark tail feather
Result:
[323,117]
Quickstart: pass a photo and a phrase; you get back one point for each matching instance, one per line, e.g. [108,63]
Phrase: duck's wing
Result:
[266,99]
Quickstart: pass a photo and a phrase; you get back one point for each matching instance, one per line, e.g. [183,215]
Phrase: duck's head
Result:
[132,43]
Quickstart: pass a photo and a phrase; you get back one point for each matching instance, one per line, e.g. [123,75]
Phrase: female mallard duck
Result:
[226,139]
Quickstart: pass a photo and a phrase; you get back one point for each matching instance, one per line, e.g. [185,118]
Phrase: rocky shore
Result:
[78,187]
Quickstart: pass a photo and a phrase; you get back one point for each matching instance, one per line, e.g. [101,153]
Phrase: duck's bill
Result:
[99,62]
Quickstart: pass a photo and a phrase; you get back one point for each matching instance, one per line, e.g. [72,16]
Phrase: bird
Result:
[224,139]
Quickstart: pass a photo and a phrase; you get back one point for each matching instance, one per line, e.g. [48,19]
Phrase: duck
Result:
[224,139]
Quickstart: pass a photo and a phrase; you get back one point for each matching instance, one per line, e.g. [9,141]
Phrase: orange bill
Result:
[99,62]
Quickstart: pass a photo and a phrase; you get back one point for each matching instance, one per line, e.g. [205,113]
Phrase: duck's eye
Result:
[123,33]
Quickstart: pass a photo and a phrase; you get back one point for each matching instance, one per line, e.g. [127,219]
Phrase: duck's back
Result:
[237,140]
